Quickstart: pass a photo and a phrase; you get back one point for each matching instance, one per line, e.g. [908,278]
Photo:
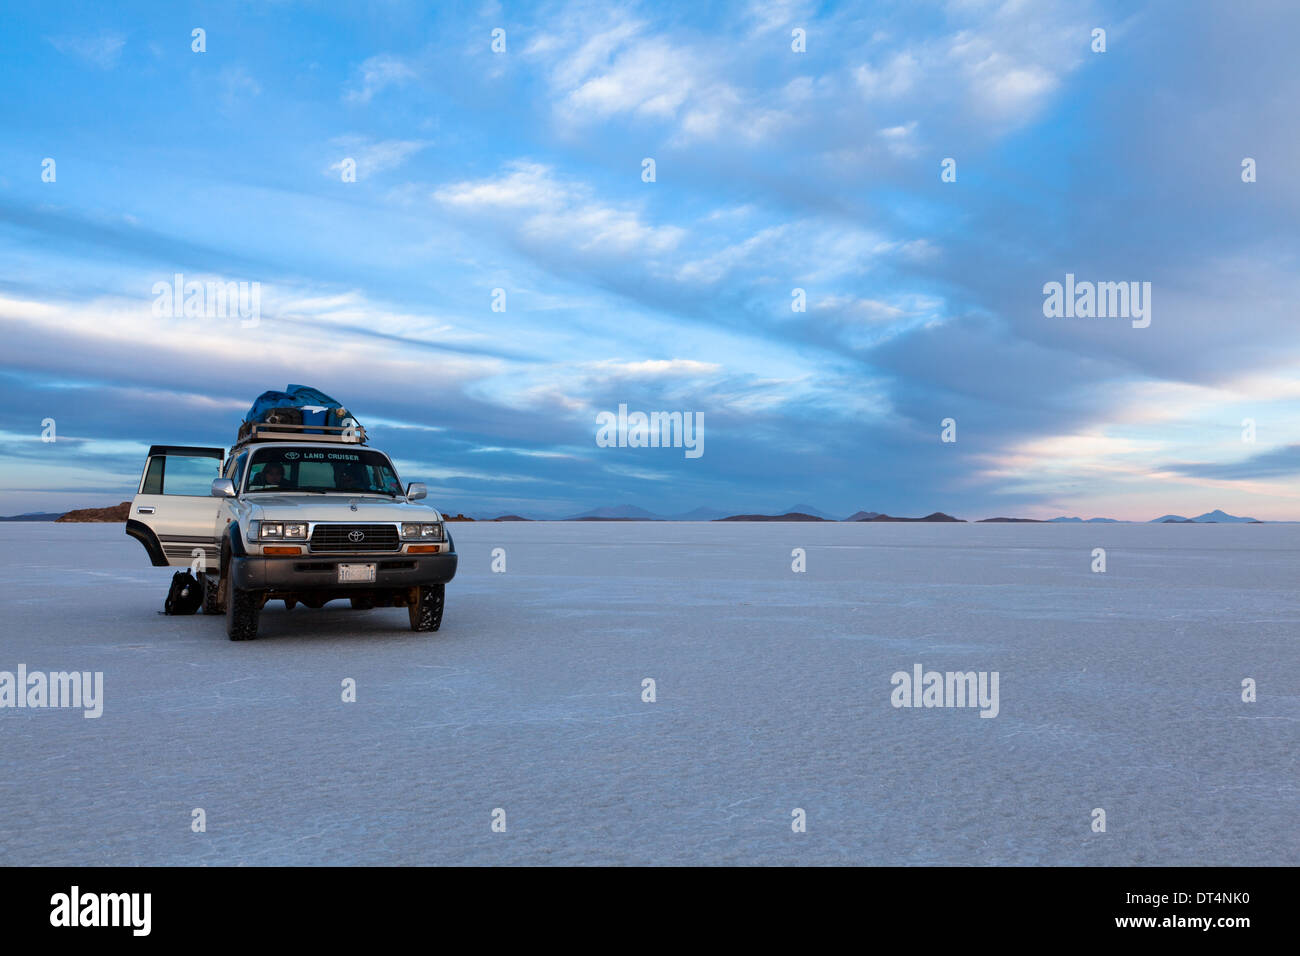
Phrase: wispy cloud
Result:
[376,74]
[547,210]
[237,86]
[101,51]
[373,157]
[1274,463]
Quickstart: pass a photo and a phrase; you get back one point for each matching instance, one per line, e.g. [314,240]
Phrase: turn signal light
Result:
[273,550]
[422,549]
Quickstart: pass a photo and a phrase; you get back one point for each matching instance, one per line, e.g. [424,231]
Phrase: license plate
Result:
[356,574]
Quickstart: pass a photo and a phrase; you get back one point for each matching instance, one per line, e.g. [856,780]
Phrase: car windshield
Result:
[355,471]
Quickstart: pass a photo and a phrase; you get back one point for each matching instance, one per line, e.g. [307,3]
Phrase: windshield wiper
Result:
[283,491]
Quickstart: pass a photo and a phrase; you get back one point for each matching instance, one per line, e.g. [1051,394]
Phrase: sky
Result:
[523,169]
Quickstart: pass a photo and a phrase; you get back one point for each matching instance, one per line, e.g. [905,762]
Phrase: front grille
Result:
[341,537]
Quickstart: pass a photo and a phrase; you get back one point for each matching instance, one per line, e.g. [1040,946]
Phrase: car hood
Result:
[291,507]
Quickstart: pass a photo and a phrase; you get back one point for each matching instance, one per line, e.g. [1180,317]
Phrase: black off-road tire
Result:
[212,594]
[426,612]
[242,611]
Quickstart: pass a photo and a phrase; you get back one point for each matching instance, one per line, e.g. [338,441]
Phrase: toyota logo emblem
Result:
[355,536]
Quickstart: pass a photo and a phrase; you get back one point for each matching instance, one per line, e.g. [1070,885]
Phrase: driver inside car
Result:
[272,476]
[352,478]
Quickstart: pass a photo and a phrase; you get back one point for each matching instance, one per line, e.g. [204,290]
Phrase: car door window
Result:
[180,475]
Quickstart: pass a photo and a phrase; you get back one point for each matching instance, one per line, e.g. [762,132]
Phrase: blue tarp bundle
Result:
[317,407]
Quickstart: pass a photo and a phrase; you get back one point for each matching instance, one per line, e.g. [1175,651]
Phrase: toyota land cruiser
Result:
[295,514]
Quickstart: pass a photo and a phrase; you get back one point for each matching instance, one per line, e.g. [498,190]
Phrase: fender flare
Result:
[145,535]
[236,539]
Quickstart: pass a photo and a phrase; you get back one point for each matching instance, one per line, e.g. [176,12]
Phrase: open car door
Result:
[173,513]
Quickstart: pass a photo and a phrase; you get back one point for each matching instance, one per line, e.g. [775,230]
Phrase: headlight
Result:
[282,530]
[425,532]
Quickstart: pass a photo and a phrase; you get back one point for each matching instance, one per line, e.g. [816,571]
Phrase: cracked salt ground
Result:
[1118,690]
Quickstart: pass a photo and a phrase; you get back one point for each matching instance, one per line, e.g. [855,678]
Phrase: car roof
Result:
[323,446]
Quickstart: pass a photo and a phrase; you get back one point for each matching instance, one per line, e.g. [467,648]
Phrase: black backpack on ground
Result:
[184,596]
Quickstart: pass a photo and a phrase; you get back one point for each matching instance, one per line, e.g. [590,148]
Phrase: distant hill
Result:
[1210,517]
[699,514]
[115,513]
[791,516]
[863,516]
[34,516]
[1085,521]
[510,518]
[1010,521]
[1222,517]
[616,513]
[936,516]
[809,510]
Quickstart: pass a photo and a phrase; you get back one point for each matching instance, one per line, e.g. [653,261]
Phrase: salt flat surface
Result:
[1119,690]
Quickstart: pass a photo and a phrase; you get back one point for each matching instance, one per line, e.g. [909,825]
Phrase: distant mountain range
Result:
[788,516]
[935,516]
[809,513]
[1210,517]
[634,513]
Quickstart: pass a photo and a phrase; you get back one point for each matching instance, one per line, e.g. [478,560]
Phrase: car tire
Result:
[242,611]
[212,594]
[426,611]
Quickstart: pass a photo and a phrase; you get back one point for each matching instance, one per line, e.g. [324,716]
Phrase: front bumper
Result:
[306,573]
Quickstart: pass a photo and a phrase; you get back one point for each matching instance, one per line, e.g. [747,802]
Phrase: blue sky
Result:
[775,170]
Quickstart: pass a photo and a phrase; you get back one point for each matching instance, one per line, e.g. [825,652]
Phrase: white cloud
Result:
[1000,61]
[654,368]
[101,51]
[376,74]
[621,70]
[236,85]
[807,250]
[893,79]
[901,140]
[559,211]
[374,157]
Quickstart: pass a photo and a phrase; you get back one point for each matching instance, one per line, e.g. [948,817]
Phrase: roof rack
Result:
[260,431]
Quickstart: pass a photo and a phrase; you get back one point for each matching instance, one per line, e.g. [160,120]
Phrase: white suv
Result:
[298,515]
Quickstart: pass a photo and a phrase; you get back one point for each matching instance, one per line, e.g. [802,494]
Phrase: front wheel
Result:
[242,611]
[426,609]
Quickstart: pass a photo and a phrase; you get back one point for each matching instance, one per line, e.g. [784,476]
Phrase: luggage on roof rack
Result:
[299,405]
[261,431]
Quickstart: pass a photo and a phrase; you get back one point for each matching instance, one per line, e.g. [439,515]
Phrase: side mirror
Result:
[416,490]
[223,488]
